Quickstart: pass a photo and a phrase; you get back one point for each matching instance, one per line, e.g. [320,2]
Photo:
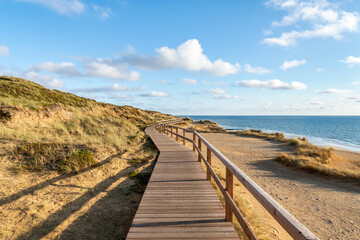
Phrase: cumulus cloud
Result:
[188,56]
[61,6]
[325,19]
[113,88]
[154,94]
[356,83]
[255,70]
[4,50]
[219,93]
[272,84]
[351,61]
[335,91]
[216,91]
[189,81]
[44,79]
[291,64]
[320,69]
[110,68]
[64,68]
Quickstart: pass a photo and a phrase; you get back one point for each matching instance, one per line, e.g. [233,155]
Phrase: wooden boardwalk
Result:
[179,203]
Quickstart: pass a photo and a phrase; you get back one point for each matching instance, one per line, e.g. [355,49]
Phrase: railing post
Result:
[171,129]
[183,136]
[177,132]
[199,146]
[208,159]
[229,189]
[194,139]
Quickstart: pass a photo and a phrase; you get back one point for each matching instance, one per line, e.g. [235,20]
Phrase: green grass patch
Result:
[62,158]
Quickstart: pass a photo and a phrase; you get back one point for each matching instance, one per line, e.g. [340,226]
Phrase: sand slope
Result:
[330,208]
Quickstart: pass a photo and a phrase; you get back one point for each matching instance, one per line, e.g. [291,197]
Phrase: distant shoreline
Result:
[319,132]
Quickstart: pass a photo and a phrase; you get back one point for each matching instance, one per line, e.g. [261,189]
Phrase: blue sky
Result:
[273,57]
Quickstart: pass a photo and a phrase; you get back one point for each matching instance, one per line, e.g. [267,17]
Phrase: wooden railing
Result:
[291,225]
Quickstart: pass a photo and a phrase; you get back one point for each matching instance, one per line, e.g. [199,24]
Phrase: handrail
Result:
[282,216]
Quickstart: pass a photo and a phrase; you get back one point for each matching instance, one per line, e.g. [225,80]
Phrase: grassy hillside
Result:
[53,126]
[61,155]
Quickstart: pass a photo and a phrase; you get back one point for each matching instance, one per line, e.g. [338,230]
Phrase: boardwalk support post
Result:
[183,136]
[177,132]
[194,139]
[229,189]
[199,146]
[171,130]
[208,159]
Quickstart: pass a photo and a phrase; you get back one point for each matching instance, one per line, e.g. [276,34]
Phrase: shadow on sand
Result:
[106,219]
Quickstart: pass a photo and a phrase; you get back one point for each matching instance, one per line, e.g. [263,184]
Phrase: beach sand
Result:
[329,207]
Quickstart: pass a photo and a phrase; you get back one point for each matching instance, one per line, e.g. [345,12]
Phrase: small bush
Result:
[76,161]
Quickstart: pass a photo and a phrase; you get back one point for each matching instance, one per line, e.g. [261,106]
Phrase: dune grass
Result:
[60,131]
[206,126]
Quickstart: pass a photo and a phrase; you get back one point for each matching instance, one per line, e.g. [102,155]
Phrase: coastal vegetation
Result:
[60,154]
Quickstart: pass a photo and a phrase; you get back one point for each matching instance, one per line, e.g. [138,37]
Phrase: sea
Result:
[336,131]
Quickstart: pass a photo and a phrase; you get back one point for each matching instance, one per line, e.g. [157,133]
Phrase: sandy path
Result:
[328,207]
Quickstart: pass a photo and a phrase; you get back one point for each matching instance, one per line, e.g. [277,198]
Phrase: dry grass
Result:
[73,159]
[52,156]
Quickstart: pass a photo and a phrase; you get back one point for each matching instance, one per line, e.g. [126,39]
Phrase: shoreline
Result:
[344,138]
[310,139]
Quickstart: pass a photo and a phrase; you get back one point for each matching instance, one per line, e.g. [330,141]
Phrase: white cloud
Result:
[225,96]
[351,61]
[216,91]
[291,64]
[98,68]
[326,20]
[272,84]
[44,79]
[255,70]
[61,6]
[123,96]
[219,93]
[320,69]
[189,81]
[356,83]
[335,91]
[110,68]
[188,56]
[113,88]
[154,94]
[64,68]
[4,50]
[103,12]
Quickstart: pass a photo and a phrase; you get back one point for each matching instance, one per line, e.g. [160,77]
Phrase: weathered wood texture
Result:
[179,202]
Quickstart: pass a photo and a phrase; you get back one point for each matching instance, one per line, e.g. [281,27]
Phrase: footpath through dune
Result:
[330,208]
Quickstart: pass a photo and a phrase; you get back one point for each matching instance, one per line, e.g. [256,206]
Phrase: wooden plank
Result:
[179,202]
